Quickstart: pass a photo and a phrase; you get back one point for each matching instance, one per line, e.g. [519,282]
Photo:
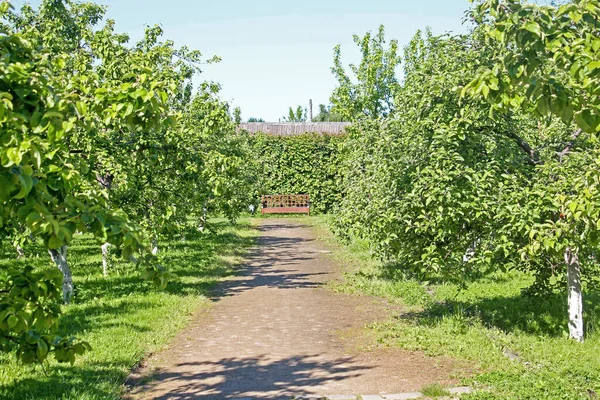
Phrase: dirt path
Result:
[275,332]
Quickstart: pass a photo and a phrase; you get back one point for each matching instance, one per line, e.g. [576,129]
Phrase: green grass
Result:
[434,390]
[517,346]
[122,316]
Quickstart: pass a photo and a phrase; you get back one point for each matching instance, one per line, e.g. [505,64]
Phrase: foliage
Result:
[417,185]
[325,115]
[29,315]
[555,61]
[221,170]
[44,190]
[371,91]
[296,115]
[446,190]
[94,140]
[253,119]
[237,115]
[514,345]
[122,316]
[553,71]
[560,77]
[299,164]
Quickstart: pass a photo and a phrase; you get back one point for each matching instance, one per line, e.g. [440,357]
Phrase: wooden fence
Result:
[295,128]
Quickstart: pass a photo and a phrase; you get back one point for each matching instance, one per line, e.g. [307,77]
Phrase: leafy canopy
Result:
[370,91]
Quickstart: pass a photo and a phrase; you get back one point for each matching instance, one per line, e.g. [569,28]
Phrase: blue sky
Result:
[277,54]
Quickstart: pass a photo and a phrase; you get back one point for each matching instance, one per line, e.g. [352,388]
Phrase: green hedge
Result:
[300,164]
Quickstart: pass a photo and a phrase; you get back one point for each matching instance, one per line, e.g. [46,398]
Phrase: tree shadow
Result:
[92,381]
[102,304]
[101,316]
[266,227]
[246,376]
[200,263]
[267,263]
[545,316]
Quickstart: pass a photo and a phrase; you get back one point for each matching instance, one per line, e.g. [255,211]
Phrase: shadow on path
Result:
[273,332]
[240,377]
[283,252]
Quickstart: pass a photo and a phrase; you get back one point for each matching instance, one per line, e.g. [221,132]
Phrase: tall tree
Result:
[447,188]
[326,115]
[370,91]
[129,99]
[553,69]
[90,127]
[296,115]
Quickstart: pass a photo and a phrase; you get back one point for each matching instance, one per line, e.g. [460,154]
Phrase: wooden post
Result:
[310,115]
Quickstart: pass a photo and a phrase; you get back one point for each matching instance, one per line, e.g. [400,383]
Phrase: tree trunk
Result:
[204,217]
[155,246]
[59,256]
[105,258]
[20,252]
[575,299]
[470,252]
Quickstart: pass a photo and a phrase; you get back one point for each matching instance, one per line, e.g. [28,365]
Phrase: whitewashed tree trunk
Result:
[470,252]
[105,258]
[155,246]
[575,298]
[203,217]
[59,256]
[20,252]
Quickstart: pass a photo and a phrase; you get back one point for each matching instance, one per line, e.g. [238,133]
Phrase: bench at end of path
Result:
[286,204]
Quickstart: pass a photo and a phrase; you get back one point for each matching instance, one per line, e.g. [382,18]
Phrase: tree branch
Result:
[534,158]
[569,145]
[12,339]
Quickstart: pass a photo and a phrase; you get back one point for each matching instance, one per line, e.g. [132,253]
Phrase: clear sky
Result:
[277,53]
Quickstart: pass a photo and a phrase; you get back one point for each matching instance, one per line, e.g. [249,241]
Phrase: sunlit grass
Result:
[434,390]
[122,316]
[517,346]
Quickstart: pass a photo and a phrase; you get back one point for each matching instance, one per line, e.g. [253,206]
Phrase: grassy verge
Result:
[517,345]
[123,317]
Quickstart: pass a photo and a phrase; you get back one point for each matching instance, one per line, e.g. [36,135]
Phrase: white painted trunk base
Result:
[154,246]
[203,218]
[575,297]
[59,256]
[105,258]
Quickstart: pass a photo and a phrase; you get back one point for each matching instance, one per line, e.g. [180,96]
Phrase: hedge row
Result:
[300,164]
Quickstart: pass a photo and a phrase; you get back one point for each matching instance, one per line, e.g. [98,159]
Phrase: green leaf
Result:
[32,218]
[53,114]
[567,115]
[42,350]
[533,27]
[573,206]
[542,106]
[14,155]
[54,242]
[585,120]
[26,186]
[12,321]
[594,65]
[82,108]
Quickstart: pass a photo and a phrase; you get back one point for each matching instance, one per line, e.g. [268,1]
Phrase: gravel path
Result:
[275,332]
